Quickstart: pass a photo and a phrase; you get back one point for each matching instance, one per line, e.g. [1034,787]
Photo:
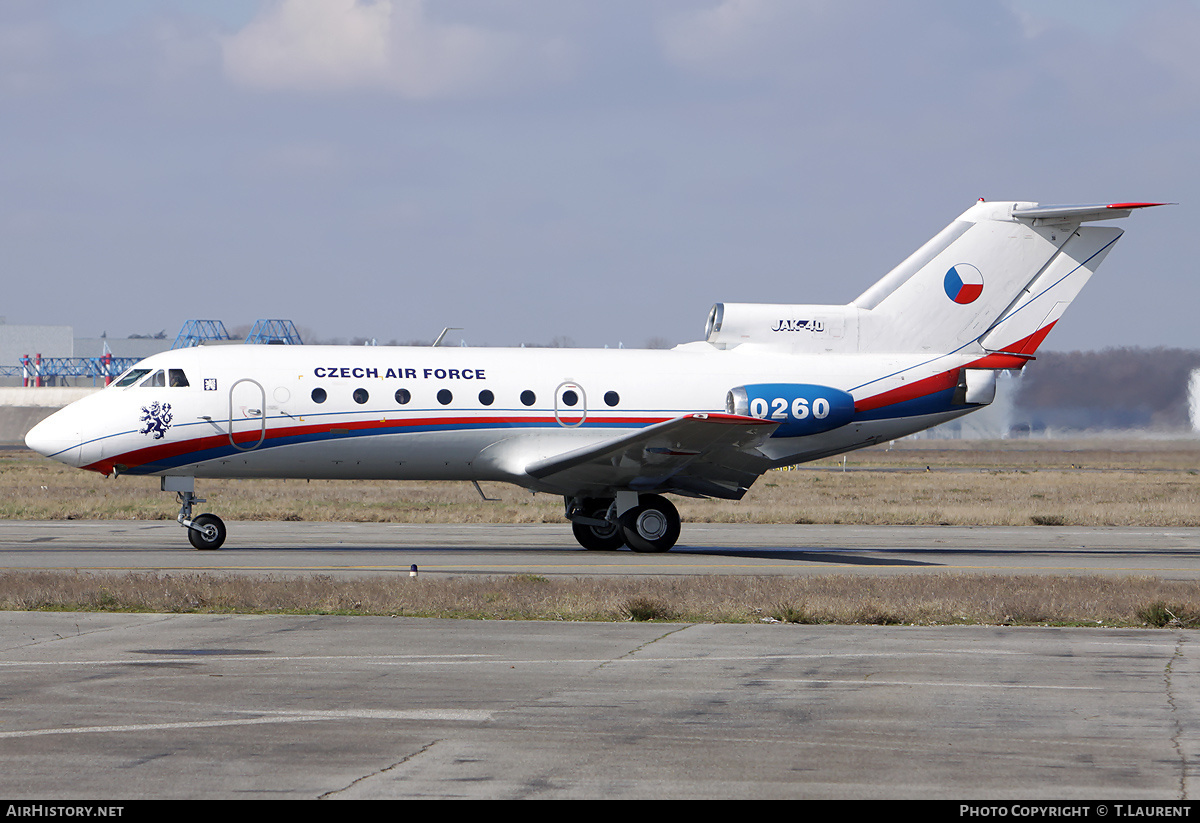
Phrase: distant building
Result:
[120,346]
[50,341]
[18,341]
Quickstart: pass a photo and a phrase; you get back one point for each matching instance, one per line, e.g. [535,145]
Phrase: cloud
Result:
[1168,39]
[28,50]
[744,37]
[381,45]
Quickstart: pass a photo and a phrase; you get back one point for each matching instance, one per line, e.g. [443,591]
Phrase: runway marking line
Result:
[459,568]
[461,715]
[867,682]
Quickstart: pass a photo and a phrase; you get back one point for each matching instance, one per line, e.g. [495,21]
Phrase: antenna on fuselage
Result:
[443,334]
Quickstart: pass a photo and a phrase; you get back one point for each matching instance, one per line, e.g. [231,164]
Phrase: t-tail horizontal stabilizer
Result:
[1048,215]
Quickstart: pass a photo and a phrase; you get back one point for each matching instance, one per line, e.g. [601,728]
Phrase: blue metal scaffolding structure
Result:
[50,371]
[274,332]
[195,332]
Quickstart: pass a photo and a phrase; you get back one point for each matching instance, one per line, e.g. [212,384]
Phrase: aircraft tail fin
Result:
[1001,274]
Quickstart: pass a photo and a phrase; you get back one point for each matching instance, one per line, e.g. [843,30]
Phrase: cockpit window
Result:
[131,377]
[155,381]
[178,378]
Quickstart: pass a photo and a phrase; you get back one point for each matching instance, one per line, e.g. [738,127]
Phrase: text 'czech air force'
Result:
[401,374]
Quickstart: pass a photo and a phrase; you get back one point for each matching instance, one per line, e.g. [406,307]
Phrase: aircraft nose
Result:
[56,439]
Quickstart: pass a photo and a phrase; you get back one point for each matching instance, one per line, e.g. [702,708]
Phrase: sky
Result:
[598,173]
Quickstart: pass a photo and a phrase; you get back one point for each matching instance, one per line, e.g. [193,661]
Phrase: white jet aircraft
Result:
[611,430]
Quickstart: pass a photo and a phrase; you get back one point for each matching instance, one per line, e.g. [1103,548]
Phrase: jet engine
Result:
[798,328]
[801,408]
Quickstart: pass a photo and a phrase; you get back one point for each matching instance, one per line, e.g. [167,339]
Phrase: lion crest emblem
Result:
[157,417]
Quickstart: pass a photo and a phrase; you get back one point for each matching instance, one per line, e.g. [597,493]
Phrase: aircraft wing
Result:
[714,455]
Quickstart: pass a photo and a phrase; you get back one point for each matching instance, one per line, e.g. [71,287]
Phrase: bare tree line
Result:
[1116,388]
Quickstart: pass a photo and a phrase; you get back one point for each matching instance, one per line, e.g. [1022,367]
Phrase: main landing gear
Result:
[207,531]
[651,524]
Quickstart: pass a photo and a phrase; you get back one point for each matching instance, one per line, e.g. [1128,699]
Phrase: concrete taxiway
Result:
[367,548]
[105,706]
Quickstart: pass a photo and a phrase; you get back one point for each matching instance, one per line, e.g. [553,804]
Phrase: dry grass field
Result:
[917,482]
[1090,483]
[950,599]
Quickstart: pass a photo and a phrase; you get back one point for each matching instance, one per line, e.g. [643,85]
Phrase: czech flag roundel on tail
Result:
[964,283]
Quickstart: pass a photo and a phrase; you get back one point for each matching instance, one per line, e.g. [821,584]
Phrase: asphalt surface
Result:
[116,707]
[369,548]
[197,706]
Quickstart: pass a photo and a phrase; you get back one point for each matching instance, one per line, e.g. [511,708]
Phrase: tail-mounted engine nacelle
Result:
[794,327]
[800,408]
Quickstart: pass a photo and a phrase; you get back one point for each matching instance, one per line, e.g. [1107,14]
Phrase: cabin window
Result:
[131,377]
[403,396]
[570,398]
[178,378]
[486,397]
[612,398]
[318,395]
[157,380]
[445,396]
[528,397]
[361,396]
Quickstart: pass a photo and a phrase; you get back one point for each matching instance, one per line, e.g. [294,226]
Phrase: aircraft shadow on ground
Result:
[849,556]
[857,555]
[798,555]
[845,557]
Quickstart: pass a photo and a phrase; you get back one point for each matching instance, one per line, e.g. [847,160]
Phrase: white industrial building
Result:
[18,341]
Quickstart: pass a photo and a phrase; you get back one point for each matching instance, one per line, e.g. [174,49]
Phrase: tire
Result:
[597,538]
[653,526]
[209,532]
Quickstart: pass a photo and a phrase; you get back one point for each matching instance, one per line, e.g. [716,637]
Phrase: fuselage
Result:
[457,413]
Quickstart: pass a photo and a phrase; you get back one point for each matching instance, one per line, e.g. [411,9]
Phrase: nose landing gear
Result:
[207,531]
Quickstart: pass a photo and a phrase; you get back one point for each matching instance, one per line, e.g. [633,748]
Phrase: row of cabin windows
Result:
[175,378]
[486,397]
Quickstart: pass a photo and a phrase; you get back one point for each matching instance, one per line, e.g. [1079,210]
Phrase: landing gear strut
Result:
[651,525]
[206,531]
[592,526]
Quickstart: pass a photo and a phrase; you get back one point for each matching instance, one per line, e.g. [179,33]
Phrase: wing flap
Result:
[715,455]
